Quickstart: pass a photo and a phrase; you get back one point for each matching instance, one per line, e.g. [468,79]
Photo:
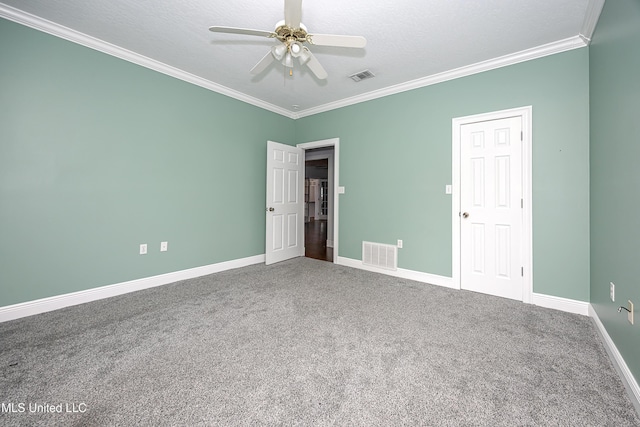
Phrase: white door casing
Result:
[492,204]
[285,207]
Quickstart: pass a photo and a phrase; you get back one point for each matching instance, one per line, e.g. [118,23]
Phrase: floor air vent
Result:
[379,255]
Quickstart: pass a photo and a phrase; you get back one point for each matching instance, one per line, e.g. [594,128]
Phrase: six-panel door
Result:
[285,233]
[491,207]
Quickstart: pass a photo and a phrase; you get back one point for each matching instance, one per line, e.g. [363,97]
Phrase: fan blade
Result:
[337,41]
[263,64]
[315,67]
[244,31]
[292,13]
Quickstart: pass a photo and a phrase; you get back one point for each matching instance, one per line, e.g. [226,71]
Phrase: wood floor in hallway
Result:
[315,241]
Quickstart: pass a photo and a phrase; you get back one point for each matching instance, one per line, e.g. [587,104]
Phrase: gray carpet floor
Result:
[306,342]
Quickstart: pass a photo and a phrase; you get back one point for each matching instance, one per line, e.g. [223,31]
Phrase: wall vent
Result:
[380,255]
[366,74]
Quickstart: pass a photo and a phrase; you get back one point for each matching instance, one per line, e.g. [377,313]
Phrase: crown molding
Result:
[37,23]
[503,61]
[594,9]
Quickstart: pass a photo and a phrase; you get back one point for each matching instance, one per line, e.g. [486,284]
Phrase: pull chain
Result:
[284,75]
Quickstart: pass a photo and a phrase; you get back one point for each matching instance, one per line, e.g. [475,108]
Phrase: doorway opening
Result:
[285,216]
[318,215]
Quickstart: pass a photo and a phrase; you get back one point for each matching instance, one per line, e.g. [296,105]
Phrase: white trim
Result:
[562,304]
[74,36]
[547,301]
[527,220]
[43,305]
[617,359]
[594,9]
[418,276]
[503,61]
[335,143]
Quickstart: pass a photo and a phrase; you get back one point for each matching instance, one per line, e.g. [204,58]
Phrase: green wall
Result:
[98,155]
[615,180]
[395,160]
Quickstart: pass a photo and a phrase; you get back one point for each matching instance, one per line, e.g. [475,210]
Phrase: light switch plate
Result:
[164,246]
[143,249]
[448,189]
[340,190]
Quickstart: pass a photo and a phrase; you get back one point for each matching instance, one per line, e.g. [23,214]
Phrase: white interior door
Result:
[285,207]
[491,201]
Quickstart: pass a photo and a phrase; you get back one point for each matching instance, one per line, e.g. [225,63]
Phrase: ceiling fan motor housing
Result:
[290,35]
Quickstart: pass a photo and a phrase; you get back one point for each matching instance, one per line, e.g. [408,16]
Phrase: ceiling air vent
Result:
[366,74]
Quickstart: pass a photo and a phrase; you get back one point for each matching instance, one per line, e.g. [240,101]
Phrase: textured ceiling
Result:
[406,39]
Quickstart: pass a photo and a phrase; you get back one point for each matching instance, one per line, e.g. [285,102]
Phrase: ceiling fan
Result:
[293,37]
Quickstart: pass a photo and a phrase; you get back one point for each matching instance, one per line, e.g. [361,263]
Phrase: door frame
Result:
[326,143]
[527,226]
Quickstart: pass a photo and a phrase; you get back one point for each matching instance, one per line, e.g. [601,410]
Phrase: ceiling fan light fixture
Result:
[288,60]
[279,51]
[296,49]
[304,56]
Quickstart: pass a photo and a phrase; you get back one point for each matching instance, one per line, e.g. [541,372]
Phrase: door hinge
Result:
[521,136]
[522,271]
[522,203]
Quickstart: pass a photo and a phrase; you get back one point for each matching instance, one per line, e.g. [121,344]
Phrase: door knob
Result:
[270,209]
[465,215]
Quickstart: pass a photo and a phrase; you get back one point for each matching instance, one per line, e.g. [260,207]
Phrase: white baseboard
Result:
[43,305]
[418,276]
[616,358]
[548,301]
[562,304]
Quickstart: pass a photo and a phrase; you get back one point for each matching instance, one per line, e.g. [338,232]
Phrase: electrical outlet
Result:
[164,246]
[612,291]
[143,249]
[399,244]
[630,314]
